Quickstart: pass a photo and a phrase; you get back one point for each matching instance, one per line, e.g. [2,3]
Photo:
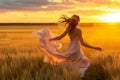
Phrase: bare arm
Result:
[60,36]
[86,44]
[64,33]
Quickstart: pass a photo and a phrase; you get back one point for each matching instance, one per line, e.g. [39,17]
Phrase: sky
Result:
[44,11]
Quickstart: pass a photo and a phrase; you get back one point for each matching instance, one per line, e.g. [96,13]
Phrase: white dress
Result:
[72,56]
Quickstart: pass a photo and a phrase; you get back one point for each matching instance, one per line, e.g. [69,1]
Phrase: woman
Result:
[73,55]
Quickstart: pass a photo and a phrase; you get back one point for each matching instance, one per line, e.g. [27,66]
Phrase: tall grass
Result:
[21,57]
[104,67]
[17,65]
[30,66]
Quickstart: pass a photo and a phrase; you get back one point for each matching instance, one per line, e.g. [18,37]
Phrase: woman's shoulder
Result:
[78,30]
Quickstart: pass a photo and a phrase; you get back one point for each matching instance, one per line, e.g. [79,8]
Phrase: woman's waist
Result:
[74,45]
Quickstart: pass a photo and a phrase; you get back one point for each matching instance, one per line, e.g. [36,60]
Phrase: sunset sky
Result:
[38,11]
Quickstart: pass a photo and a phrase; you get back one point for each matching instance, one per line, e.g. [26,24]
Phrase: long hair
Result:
[71,23]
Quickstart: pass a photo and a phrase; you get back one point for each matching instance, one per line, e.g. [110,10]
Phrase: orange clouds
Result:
[51,10]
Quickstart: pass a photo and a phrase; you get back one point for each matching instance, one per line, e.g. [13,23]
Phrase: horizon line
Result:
[82,24]
[48,22]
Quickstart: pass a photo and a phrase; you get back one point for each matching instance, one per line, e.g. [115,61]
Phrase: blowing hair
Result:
[70,23]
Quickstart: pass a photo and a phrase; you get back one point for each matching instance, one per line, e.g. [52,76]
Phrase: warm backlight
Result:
[113,17]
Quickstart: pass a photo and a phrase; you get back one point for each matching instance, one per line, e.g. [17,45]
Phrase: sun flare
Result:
[113,17]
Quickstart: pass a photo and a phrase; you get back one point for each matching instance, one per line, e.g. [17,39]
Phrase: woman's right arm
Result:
[83,43]
[60,36]
[65,32]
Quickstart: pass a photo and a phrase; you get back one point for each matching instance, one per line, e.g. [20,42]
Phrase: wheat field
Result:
[21,56]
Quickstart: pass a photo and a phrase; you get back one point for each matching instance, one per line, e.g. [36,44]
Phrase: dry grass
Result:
[20,55]
[28,66]
[104,67]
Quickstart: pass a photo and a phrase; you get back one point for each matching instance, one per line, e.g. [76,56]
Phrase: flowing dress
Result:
[73,55]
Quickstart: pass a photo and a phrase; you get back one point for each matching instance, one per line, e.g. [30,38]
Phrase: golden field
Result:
[20,54]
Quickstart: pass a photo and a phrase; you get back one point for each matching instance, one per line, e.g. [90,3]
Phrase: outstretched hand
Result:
[98,48]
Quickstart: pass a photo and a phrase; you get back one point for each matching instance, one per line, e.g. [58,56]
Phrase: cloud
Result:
[53,5]
[23,4]
[99,2]
[31,5]
[94,1]
[89,12]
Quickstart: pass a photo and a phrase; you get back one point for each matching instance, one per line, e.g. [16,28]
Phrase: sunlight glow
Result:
[58,1]
[113,17]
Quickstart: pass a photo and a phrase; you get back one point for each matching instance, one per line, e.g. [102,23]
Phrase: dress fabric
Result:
[72,56]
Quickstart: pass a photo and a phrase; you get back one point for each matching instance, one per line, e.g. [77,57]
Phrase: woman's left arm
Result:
[86,44]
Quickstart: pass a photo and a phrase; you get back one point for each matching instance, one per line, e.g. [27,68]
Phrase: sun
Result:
[113,17]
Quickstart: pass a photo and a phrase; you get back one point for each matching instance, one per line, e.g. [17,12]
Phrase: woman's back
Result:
[74,44]
[74,34]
